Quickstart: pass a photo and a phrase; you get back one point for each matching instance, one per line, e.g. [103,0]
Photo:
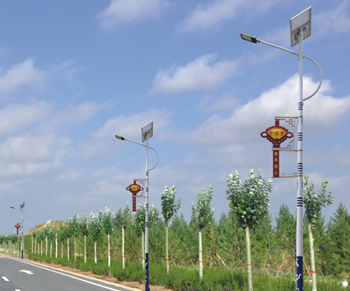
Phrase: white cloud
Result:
[77,113]
[17,117]
[29,155]
[215,13]
[322,110]
[130,10]
[332,21]
[225,103]
[128,126]
[202,73]
[22,74]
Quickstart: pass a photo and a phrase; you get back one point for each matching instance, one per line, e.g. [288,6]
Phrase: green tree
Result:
[95,230]
[169,207]
[285,234]
[139,225]
[107,226]
[203,214]
[84,230]
[75,229]
[249,203]
[313,203]
[339,244]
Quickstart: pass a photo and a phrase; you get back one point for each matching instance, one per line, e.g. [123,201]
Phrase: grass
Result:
[185,279]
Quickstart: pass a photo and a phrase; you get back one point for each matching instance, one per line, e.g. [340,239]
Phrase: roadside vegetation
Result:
[110,243]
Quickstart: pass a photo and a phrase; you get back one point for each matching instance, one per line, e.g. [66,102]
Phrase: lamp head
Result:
[12,207]
[119,137]
[249,38]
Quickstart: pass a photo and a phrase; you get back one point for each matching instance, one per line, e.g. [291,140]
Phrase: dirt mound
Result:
[56,224]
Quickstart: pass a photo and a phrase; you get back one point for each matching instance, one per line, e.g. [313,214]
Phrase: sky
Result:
[75,73]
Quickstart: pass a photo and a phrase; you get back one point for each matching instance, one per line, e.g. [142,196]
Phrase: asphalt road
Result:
[19,275]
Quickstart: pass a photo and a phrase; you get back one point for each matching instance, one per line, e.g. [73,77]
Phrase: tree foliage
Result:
[249,201]
[314,202]
[169,205]
[202,212]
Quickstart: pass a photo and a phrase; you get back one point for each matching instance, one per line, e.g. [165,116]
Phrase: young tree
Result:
[285,234]
[62,236]
[169,207]
[84,229]
[203,215]
[46,231]
[75,228]
[34,236]
[107,226]
[69,227]
[139,224]
[313,204]
[95,230]
[249,202]
[51,235]
[339,242]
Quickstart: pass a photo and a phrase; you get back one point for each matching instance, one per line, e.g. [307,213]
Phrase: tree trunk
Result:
[166,249]
[109,250]
[312,258]
[200,255]
[249,260]
[95,251]
[32,244]
[123,254]
[75,248]
[35,246]
[46,246]
[41,248]
[61,249]
[84,248]
[143,250]
[56,246]
[50,249]
[68,249]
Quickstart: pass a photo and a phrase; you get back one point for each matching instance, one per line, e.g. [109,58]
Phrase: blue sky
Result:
[75,73]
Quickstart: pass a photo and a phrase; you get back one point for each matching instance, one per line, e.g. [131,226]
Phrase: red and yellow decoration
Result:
[134,189]
[276,135]
[18,227]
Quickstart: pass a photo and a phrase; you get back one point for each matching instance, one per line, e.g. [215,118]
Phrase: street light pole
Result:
[300,29]
[22,219]
[147,133]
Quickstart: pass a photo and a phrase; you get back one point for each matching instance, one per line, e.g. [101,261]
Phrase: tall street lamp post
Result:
[300,28]
[147,133]
[21,209]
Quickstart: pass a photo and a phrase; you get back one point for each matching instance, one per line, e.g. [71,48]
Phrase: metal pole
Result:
[299,230]
[22,235]
[146,223]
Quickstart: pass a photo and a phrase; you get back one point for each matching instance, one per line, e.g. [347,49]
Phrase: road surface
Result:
[20,275]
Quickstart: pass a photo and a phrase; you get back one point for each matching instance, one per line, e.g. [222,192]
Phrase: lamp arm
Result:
[296,54]
[141,144]
[320,83]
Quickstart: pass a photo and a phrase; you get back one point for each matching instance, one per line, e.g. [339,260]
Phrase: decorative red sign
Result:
[276,135]
[134,189]
[17,226]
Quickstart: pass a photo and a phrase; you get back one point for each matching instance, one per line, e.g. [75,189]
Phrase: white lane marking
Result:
[27,272]
[5,279]
[73,277]
[17,289]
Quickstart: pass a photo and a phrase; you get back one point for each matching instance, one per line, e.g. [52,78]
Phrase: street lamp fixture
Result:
[146,134]
[249,38]
[300,29]
[21,209]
